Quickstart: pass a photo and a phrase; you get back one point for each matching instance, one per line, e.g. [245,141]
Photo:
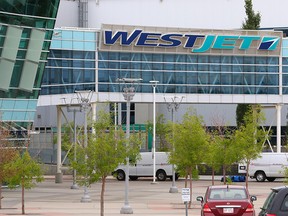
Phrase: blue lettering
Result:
[146,37]
[172,42]
[247,41]
[269,43]
[225,42]
[125,40]
[191,39]
[206,44]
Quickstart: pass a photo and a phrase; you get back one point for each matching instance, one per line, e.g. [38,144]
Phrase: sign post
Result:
[186,198]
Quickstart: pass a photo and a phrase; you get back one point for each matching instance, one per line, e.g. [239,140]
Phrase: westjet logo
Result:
[172,40]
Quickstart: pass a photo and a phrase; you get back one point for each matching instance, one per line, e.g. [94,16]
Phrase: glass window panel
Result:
[124,65]
[169,66]
[157,66]
[249,79]
[261,90]
[78,63]
[77,76]
[237,79]
[227,89]
[158,76]
[215,68]
[135,56]
[90,36]
[21,104]
[285,79]
[273,79]
[103,75]
[89,45]
[272,90]
[168,78]
[103,55]
[103,87]
[273,69]
[192,78]
[180,78]
[168,58]
[67,35]
[89,64]
[214,79]
[135,65]
[226,79]
[77,35]
[147,57]
[226,59]
[261,79]
[203,78]
[102,64]
[192,67]
[67,44]
[124,56]
[113,76]
[125,74]
[66,78]
[273,60]
[79,45]
[157,58]
[181,58]
[89,76]
[192,89]
[237,90]
[261,68]
[113,65]
[192,58]
[113,56]
[147,76]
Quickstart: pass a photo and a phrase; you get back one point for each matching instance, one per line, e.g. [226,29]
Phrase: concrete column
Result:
[59,174]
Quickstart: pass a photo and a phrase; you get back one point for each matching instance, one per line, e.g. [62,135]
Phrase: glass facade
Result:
[26,28]
[191,74]
[77,62]
[71,62]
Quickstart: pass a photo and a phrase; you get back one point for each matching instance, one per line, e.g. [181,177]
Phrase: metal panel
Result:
[32,59]
[8,56]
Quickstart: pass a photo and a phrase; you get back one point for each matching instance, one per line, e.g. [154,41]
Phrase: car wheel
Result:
[161,175]
[120,175]
[260,176]
[133,178]
[271,179]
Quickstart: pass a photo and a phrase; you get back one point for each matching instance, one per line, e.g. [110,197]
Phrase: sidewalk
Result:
[49,198]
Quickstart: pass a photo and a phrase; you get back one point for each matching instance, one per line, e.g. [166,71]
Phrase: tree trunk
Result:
[224,174]
[213,176]
[23,207]
[247,174]
[1,195]
[102,196]
[190,181]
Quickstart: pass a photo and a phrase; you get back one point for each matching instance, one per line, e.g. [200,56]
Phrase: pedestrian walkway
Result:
[49,198]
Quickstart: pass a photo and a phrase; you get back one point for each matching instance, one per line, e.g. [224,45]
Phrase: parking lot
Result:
[145,198]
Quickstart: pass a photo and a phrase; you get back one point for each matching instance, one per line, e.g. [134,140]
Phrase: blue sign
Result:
[172,40]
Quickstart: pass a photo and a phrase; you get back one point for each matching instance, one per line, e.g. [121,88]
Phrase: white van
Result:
[268,166]
[144,167]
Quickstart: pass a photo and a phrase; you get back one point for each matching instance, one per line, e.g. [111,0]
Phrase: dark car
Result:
[276,203]
[230,200]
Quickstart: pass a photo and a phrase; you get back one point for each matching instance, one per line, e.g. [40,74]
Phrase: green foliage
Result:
[106,149]
[162,129]
[285,175]
[25,171]
[253,19]
[190,143]
[240,113]
[250,137]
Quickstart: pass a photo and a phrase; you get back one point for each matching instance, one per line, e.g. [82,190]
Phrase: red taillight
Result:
[206,208]
[249,208]
[271,215]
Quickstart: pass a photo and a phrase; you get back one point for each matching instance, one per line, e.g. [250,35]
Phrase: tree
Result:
[190,143]
[249,138]
[106,149]
[253,19]
[24,171]
[162,129]
[7,154]
[252,22]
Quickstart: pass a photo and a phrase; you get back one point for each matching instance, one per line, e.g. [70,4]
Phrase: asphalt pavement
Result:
[49,198]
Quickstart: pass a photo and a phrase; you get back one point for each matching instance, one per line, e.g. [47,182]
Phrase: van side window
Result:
[284,205]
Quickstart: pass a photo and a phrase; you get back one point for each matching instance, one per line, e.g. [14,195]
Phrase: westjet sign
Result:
[197,43]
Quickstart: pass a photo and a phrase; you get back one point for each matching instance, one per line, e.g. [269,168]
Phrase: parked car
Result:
[232,200]
[276,203]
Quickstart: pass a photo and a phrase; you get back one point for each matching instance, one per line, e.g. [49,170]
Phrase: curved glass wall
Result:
[191,74]
[26,28]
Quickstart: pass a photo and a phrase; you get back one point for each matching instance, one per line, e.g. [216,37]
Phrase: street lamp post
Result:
[128,93]
[84,98]
[154,84]
[74,110]
[172,106]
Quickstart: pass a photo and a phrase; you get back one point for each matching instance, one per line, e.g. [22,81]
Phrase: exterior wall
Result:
[220,14]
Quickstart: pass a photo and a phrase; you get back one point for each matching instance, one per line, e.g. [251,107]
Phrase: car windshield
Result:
[228,194]
[269,200]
